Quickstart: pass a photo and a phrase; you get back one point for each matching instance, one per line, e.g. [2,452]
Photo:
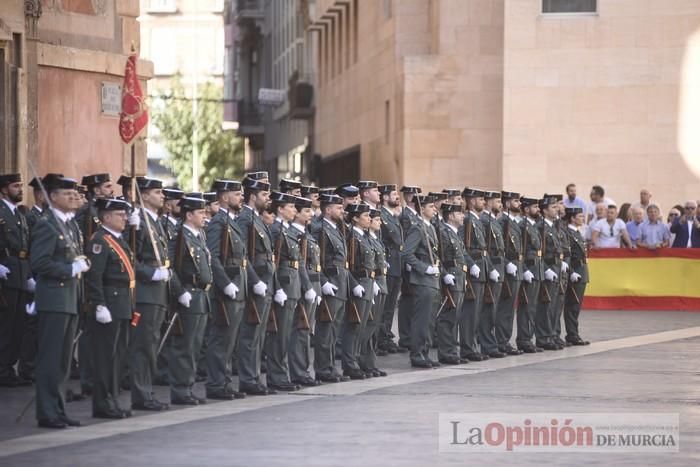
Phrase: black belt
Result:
[116,284]
[380,272]
[203,287]
[496,259]
[314,277]
[21,254]
[236,263]
[477,254]
[364,273]
[289,264]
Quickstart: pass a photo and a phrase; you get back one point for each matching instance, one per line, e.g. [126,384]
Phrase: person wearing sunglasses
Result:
[687,227]
[610,232]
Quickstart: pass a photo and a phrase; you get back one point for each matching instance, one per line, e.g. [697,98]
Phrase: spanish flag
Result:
[642,279]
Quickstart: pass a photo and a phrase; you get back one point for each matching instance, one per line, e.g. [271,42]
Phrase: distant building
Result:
[61,68]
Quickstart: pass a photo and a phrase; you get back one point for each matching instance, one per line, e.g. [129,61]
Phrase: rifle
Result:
[522,295]
[223,256]
[544,293]
[272,317]
[488,291]
[251,312]
[445,288]
[352,314]
[574,294]
[302,318]
[324,313]
[469,290]
[179,245]
[507,292]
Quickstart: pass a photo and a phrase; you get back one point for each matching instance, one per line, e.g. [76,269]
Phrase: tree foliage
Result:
[220,151]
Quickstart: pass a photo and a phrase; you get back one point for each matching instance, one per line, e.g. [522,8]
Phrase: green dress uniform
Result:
[474,237]
[289,261]
[563,281]
[109,283]
[574,297]
[371,333]
[551,257]
[14,255]
[334,270]
[152,304]
[495,247]
[453,256]
[256,236]
[513,242]
[229,265]
[27,359]
[527,304]
[361,258]
[299,354]
[407,219]
[192,273]
[392,238]
[421,252]
[54,248]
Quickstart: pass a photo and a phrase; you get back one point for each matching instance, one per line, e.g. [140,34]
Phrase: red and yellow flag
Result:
[642,279]
[134,114]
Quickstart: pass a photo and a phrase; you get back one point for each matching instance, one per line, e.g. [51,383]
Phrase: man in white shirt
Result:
[597,196]
[607,233]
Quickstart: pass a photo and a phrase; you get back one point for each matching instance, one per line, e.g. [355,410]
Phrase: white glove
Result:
[329,289]
[3,272]
[102,315]
[511,269]
[358,291]
[161,274]
[575,277]
[280,297]
[449,279]
[231,291]
[550,275]
[494,275]
[408,267]
[185,299]
[375,288]
[310,295]
[564,266]
[432,270]
[475,271]
[528,276]
[318,299]
[31,285]
[79,265]
[134,219]
[31,309]
[260,288]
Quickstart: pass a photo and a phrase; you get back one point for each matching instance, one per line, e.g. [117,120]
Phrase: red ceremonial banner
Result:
[134,114]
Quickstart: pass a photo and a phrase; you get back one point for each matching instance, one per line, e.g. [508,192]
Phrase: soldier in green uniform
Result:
[560,226]
[15,277]
[370,335]
[304,315]
[552,257]
[407,218]
[513,242]
[152,274]
[292,187]
[578,277]
[392,236]
[190,282]
[288,292]
[495,248]
[335,284]
[420,253]
[533,275]
[361,266]
[474,237]
[261,282]
[453,257]
[229,265]
[312,192]
[110,285]
[56,262]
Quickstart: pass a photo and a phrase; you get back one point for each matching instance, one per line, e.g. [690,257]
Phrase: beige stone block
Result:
[128,8]
[548,33]
[547,78]
[526,107]
[674,8]
[423,143]
[574,32]
[519,33]
[634,105]
[491,40]
[624,8]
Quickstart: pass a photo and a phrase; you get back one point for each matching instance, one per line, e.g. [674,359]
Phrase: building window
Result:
[163,51]
[569,6]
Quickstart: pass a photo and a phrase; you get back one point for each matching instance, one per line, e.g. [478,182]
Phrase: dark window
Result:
[569,6]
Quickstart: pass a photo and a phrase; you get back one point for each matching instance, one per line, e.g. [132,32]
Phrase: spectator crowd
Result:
[635,225]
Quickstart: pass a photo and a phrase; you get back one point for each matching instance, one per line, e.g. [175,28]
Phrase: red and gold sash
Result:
[126,261]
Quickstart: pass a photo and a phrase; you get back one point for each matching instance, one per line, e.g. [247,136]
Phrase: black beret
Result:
[255,185]
[330,199]
[145,183]
[357,208]
[384,189]
[302,203]
[410,189]
[61,183]
[509,195]
[492,194]
[420,200]
[112,204]
[438,195]
[124,180]
[282,198]
[6,179]
[528,201]
[473,193]
[573,211]
[326,191]
[260,175]
[226,185]
[374,213]
[172,192]
[557,198]
[288,185]
[192,204]
[449,207]
[209,197]
[452,191]
[366,184]
[95,179]
[308,189]
[347,190]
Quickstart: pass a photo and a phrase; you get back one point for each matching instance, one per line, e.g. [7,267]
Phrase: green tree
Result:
[220,151]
